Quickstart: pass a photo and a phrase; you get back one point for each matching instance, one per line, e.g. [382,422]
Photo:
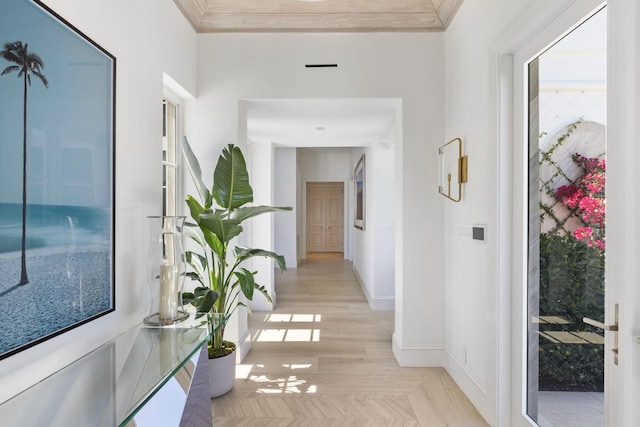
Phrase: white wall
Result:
[300,191]
[374,247]
[233,67]
[260,231]
[325,164]
[472,269]
[285,195]
[144,48]
[382,199]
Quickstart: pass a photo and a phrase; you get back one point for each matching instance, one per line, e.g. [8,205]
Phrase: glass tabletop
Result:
[109,385]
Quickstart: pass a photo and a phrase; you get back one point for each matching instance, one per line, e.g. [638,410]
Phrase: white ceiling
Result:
[322,122]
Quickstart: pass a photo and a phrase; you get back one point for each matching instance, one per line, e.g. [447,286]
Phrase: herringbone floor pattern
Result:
[322,358]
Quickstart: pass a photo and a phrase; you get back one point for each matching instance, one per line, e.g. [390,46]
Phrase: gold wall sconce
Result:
[452,170]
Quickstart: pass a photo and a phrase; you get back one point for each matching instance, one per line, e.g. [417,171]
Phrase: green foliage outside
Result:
[571,367]
[571,287]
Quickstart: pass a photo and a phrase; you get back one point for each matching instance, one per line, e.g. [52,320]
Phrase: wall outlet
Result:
[463,354]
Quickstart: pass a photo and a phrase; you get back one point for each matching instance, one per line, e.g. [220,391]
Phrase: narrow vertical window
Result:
[169,162]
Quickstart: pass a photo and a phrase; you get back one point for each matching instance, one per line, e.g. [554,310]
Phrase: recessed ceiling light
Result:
[320,128]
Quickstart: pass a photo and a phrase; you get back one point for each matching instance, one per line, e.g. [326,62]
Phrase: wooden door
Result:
[325,217]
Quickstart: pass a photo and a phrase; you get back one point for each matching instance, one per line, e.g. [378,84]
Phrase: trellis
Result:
[557,168]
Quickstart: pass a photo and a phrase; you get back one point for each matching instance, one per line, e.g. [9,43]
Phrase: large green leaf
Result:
[191,231]
[243,253]
[216,245]
[197,261]
[198,264]
[204,300]
[247,282]
[197,211]
[195,208]
[251,211]
[196,173]
[263,291]
[187,297]
[231,187]
[225,229]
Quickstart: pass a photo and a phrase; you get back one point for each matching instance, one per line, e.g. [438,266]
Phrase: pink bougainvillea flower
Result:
[566,191]
[586,198]
[583,232]
[593,187]
[592,210]
[570,195]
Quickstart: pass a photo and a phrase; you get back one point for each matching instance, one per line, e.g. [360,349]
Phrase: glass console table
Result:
[108,386]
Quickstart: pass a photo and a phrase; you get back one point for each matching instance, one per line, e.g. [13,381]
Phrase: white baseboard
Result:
[243,346]
[431,357]
[376,303]
[382,304]
[476,394]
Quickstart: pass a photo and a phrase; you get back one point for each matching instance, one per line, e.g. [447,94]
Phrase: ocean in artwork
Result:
[69,267]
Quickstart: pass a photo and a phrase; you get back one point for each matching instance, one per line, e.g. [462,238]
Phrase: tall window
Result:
[169,158]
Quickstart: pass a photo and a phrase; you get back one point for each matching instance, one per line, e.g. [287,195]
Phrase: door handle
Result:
[611,328]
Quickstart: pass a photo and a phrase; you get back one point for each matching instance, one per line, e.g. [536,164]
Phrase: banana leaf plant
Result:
[217,265]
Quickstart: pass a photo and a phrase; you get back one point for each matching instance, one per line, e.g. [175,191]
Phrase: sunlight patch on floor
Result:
[287,335]
[285,317]
[243,371]
[282,383]
[302,366]
[291,384]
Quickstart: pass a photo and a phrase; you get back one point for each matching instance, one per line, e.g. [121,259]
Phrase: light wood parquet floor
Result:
[322,358]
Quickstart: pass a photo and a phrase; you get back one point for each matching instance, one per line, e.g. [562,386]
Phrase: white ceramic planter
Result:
[222,374]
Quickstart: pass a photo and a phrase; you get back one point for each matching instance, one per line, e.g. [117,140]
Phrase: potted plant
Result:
[223,284]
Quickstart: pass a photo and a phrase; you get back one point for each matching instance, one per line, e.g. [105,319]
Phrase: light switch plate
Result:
[479,233]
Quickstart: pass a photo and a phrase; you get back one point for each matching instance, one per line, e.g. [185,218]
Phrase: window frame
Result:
[171,182]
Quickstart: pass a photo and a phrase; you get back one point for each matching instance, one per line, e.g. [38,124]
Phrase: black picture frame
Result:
[359,179]
[57,149]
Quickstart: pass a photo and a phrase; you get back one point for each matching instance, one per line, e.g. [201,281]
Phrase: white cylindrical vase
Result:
[166,269]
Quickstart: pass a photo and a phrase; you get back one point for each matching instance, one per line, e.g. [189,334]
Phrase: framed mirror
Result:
[452,171]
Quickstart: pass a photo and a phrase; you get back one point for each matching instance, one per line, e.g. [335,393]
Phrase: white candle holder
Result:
[166,269]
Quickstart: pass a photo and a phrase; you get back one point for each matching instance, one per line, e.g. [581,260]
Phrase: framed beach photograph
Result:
[57,127]
[359,180]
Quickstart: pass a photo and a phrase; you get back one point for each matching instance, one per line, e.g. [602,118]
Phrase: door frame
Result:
[623,210]
[532,27]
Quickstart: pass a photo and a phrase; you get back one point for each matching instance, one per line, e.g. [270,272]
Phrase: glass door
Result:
[567,118]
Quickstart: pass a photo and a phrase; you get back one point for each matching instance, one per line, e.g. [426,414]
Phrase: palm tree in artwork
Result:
[26,64]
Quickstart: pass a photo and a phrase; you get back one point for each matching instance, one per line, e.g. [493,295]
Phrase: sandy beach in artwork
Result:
[66,286]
